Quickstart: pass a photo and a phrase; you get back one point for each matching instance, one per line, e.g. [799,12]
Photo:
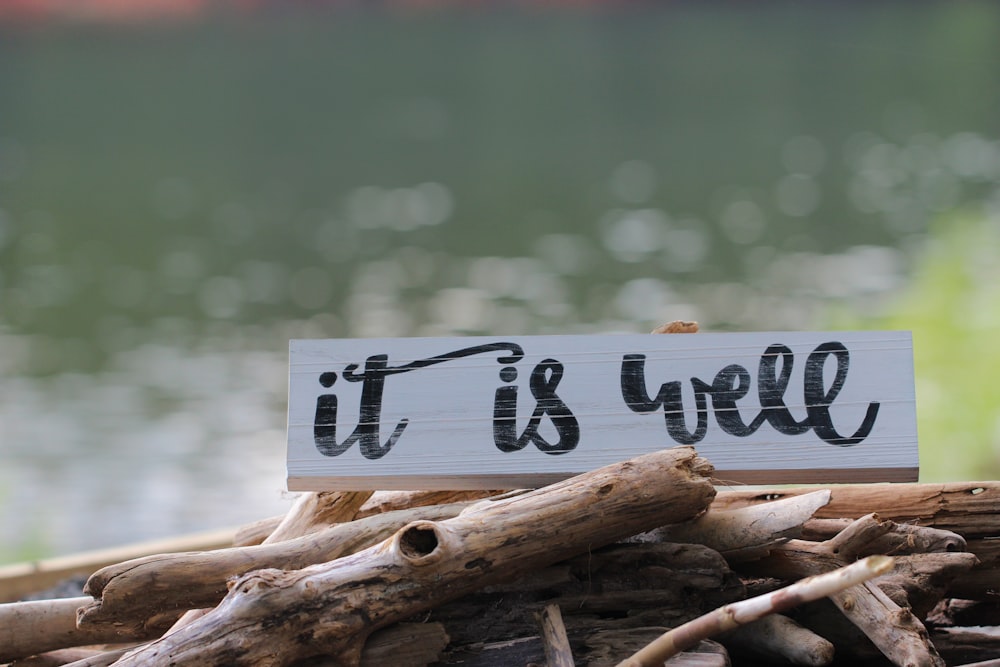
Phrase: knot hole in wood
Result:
[420,542]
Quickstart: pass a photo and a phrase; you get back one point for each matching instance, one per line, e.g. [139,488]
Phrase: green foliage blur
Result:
[952,305]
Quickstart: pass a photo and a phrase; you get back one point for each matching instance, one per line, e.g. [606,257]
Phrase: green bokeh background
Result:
[179,199]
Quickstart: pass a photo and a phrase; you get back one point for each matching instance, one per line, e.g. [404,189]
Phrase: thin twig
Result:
[740,613]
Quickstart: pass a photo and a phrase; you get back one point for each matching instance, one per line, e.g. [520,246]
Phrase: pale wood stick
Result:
[20,579]
[739,613]
[390,501]
[60,657]
[427,563]
[95,659]
[554,639]
[252,534]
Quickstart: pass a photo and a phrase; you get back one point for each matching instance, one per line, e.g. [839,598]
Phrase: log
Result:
[745,532]
[599,648]
[411,644]
[965,612]
[983,581]
[87,658]
[131,592]
[778,638]
[272,617]
[962,645]
[967,508]
[20,579]
[39,626]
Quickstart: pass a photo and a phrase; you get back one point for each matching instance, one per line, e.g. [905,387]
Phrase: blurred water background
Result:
[180,197]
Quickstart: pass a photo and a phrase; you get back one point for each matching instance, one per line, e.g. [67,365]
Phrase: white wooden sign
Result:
[522,411]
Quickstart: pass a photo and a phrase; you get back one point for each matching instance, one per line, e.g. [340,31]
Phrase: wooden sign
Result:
[522,411]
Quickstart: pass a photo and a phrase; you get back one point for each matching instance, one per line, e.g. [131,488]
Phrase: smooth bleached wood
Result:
[330,609]
[742,532]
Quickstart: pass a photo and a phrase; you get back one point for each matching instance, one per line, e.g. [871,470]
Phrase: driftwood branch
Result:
[892,628]
[316,510]
[29,628]
[331,608]
[967,508]
[777,638]
[128,593]
[20,579]
[746,532]
[746,611]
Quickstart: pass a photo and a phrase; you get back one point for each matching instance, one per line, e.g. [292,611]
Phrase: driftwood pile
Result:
[589,571]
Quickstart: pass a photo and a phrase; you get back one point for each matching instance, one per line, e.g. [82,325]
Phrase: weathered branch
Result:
[20,579]
[744,532]
[411,644]
[894,630]
[316,510]
[967,508]
[28,628]
[331,608]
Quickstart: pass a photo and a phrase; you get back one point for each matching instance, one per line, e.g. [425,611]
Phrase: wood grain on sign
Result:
[522,411]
